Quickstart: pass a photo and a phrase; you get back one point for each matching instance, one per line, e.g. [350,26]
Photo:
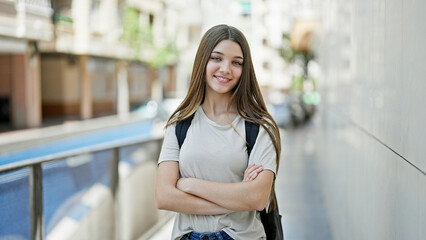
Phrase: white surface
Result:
[165,232]
[373,165]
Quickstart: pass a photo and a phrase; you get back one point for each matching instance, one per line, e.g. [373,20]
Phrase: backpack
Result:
[271,221]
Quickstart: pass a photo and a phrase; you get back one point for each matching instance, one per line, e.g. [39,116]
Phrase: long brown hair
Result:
[246,96]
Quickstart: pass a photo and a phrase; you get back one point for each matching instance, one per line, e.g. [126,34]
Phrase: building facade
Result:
[77,59]
[23,25]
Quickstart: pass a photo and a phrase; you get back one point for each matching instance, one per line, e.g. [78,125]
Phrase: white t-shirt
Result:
[218,153]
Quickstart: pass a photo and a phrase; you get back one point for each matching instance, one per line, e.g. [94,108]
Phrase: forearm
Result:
[173,199]
[168,197]
[242,196]
[235,196]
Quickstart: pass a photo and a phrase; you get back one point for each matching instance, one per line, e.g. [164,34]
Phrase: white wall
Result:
[373,114]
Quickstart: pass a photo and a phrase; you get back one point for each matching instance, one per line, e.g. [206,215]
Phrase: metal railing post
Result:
[36,202]
[115,181]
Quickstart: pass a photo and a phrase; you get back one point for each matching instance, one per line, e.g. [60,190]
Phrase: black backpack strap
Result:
[252,130]
[182,128]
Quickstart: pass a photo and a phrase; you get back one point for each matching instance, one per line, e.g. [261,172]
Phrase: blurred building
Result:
[78,59]
[270,20]
[112,45]
[90,58]
[23,24]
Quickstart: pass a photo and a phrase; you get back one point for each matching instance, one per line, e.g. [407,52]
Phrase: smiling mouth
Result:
[222,79]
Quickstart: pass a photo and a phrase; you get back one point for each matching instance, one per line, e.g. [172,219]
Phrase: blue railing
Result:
[53,185]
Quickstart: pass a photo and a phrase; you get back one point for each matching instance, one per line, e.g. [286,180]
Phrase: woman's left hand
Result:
[252,172]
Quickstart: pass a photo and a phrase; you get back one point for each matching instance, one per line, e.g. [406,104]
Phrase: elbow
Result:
[260,206]
[259,202]
[159,203]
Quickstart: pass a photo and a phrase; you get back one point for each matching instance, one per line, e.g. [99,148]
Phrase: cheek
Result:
[211,68]
[238,72]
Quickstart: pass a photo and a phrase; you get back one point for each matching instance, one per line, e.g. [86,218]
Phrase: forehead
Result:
[228,48]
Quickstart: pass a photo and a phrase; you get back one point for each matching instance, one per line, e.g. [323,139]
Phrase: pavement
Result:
[297,187]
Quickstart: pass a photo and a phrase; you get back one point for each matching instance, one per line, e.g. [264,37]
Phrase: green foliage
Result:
[163,55]
[147,36]
[132,34]
[58,17]
[312,98]
[297,83]
[294,56]
[286,51]
[289,54]
[138,39]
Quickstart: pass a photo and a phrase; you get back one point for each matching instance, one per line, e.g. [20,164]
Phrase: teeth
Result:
[222,79]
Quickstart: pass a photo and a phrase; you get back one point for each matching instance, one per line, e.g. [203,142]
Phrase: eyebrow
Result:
[224,54]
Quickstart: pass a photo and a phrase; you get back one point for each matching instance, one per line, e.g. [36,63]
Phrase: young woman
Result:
[210,182]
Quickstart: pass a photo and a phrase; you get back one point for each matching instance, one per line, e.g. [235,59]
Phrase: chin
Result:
[222,90]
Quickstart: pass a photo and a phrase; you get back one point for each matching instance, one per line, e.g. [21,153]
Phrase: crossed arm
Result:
[197,196]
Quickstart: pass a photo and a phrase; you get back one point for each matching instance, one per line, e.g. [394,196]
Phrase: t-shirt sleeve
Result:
[263,151]
[170,148]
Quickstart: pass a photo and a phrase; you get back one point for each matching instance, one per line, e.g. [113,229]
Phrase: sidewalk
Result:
[297,189]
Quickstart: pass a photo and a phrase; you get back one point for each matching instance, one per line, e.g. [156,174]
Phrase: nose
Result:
[225,67]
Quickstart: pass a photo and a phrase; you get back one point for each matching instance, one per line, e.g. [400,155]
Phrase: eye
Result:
[214,58]
[237,63]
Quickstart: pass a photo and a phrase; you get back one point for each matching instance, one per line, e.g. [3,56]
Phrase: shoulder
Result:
[264,124]
[266,133]
[170,127]
[263,132]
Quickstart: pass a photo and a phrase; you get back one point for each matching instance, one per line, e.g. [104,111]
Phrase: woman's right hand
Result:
[252,172]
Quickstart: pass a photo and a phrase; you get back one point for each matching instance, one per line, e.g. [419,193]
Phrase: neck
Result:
[217,105]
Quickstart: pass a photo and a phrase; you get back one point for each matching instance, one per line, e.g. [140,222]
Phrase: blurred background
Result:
[75,60]
[87,85]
